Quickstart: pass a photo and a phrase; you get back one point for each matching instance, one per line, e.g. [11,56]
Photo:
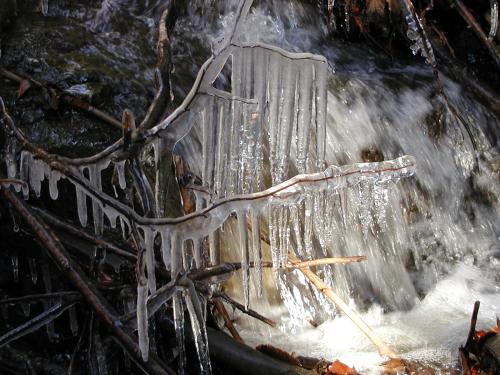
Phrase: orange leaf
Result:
[338,368]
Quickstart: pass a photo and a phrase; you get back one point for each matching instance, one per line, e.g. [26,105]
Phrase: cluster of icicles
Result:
[272,123]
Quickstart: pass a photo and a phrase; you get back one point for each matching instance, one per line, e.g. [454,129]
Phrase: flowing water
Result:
[439,249]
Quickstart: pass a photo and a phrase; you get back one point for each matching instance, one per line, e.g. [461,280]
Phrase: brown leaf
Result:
[24,86]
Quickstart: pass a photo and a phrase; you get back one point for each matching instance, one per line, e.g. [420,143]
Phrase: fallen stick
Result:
[227,320]
[342,306]
[240,307]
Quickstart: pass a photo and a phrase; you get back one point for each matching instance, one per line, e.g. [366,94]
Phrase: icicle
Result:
[274,96]
[198,259]
[245,266]
[284,236]
[120,171]
[304,108]
[97,213]
[142,321]
[25,306]
[199,332]
[260,78]
[220,174]
[44,7]
[111,214]
[295,219]
[308,227]
[493,20]
[54,177]
[380,199]
[15,267]
[176,255]
[365,217]
[179,329]
[124,223]
[273,238]
[214,242]
[73,321]
[81,204]
[257,250]
[320,70]
[149,236]
[165,248]
[288,95]
[37,174]
[33,270]
[10,165]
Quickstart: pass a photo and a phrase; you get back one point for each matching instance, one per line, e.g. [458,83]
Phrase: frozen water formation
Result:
[262,161]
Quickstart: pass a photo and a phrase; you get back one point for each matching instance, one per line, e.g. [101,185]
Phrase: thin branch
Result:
[65,97]
[78,232]
[221,309]
[240,307]
[33,324]
[162,74]
[39,297]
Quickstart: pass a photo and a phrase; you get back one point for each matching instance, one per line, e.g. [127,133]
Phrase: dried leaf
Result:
[338,368]
[24,86]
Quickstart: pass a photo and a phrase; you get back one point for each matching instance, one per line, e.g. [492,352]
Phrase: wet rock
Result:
[112,70]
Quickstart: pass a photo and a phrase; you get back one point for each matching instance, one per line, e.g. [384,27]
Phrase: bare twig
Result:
[162,75]
[221,309]
[67,98]
[240,307]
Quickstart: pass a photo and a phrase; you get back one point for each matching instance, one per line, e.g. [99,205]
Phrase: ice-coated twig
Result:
[416,33]
[493,20]
[33,324]
[476,27]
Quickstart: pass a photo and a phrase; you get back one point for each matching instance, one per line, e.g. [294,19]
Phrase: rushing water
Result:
[440,250]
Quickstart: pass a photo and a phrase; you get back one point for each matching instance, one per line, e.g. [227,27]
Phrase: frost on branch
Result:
[416,34]
[261,159]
